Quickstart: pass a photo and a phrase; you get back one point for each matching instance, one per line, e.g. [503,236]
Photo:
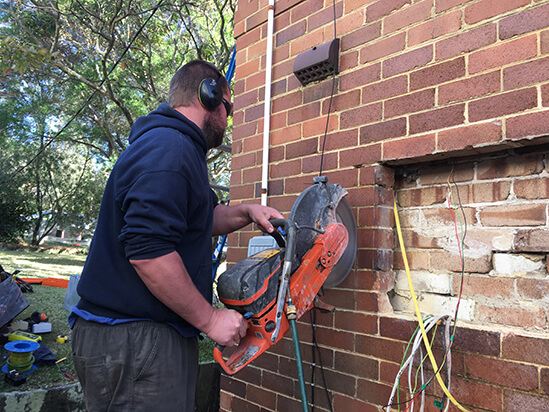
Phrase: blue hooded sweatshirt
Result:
[157,200]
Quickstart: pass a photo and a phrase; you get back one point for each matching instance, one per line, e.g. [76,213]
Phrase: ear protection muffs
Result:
[210,93]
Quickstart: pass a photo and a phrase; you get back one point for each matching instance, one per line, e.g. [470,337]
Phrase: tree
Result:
[95,66]
[89,43]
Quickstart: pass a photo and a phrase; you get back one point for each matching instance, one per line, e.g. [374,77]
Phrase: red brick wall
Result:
[424,86]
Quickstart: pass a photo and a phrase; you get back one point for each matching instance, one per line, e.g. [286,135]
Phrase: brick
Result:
[416,261]
[410,103]
[482,286]
[440,174]
[342,139]
[384,89]
[373,392]
[526,349]
[526,316]
[383,8]
[515,264]
[312,163]
[424,282]
[383,130]
[437,119]
[443,5]
[245,130]
[315,127]
[361,115]
[465,42]
[325,16]
[469,88]
[526,74]
[347,61]
[356,365]
[490,192]
[467,340]
[415,240]
[302,113]
[524,22]
[506,374]
[544,40]
[407,61]
[545,95]
[281,136]
[342,101]
[304,42]
[544,374]
[484,396]
[360,77]
[452,262]
[408,16]
[528,125]
[360,156]
[503,104]
[516,215]
[301,148]
[350,22]
[531,240]
[291,168]
[421,197]
[260,396]
[437,74]
[434,28]
[537,188]
[335,382]
[504,54]
[510,166]
[351,404]
[286,102]
[518,401]
[293,32]
[360,36]
[382,48]
[469,136]
[409,148]
[533,289]
[489,8]
[253,113]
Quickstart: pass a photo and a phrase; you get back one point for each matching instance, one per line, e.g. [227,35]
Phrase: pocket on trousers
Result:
[93,375]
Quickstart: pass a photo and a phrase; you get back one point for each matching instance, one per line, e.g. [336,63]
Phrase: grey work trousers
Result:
[135,366]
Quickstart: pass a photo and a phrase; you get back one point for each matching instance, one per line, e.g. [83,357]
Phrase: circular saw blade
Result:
[318,206]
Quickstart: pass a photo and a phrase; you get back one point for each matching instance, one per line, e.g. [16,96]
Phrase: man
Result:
[146,287]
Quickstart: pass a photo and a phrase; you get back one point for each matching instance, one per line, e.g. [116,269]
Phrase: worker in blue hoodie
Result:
[146,288]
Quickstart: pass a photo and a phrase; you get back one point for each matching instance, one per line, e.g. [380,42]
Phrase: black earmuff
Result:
[210,93]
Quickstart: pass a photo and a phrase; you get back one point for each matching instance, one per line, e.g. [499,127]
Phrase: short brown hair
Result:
[186,81]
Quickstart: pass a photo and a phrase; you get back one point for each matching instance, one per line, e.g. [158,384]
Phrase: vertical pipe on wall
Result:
[267,108]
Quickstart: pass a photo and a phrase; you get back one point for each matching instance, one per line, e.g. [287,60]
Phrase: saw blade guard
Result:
[316,207]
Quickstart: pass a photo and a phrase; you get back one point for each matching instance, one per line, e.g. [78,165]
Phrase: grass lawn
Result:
[44,263]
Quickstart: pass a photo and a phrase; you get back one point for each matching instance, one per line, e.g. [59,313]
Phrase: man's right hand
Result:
[226,327]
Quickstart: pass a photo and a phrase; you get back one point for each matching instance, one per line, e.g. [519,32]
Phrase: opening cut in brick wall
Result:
[493,210]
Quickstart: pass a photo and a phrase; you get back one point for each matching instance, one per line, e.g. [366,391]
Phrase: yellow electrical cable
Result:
[418,314]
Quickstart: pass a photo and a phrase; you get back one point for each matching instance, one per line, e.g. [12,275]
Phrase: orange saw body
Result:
[260,286]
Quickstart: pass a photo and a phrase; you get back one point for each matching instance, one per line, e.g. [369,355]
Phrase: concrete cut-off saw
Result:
[276,286]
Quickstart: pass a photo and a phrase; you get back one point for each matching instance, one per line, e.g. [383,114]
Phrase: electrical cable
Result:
[317,348]
[83,106]
[330,102]
[313,314]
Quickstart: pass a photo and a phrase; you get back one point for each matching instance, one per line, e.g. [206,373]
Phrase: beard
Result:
[213,131]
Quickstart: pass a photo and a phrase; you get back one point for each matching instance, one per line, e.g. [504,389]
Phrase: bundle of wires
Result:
[427,323]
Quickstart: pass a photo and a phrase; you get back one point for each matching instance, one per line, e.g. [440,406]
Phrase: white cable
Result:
[429,323]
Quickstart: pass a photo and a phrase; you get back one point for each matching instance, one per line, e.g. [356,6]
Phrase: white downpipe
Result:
[267,108]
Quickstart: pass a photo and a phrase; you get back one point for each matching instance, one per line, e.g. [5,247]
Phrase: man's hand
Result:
[227,219]
[260,215]
[226,327]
